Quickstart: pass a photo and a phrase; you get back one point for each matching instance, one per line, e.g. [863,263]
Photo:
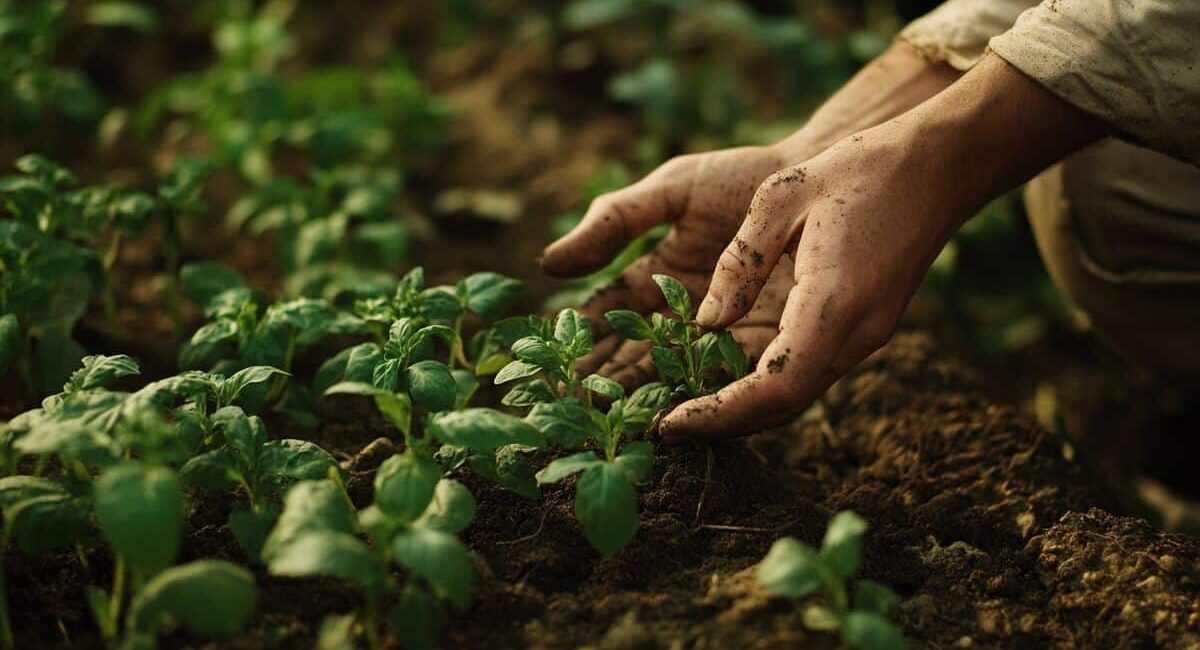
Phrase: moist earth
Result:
[992,537]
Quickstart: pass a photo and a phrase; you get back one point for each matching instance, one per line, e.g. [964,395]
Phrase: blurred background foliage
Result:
[324,128]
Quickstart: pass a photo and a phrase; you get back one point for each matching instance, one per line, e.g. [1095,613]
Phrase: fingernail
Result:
[710,310]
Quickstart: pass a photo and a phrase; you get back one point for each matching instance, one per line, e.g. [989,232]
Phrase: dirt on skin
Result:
[990,535]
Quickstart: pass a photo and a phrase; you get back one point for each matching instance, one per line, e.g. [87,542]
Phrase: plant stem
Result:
[110,298]
[114,601]
[371,624]
[6,637]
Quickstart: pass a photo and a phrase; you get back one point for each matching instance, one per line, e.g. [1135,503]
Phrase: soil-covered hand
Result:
[705,197]
[864,220]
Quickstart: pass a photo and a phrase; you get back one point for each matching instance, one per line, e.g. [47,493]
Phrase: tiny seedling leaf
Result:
[404,485]
[676,294]
[561,468]
[451,510]
[484,430]
[606,507]
[630,325]
[140,510]
[870,631]
[211,598]
[840,549]
[439,558]
[791,569]
[604,386]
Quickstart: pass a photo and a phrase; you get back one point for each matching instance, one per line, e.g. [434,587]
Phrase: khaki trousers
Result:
[1118,227]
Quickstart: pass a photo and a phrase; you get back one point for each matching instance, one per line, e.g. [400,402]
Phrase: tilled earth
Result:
[978,521]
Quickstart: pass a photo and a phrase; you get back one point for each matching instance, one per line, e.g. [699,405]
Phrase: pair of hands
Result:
[809,266]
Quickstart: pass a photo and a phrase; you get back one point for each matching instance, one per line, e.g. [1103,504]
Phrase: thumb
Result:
[612,221]
[747,263]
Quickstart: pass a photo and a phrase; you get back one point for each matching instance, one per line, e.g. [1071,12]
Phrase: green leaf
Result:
[528,394]
[534,350]
[70,441]
[870,631]
[791,569]
[140,511]
[440,559]
[604,386]
[676,294]
[630,325]
[489,294]
[327,553]
[669,364]
[417,618]
[606,507]
[561,468]
[212,470]
[636,459]
[843,538]
[211,598]
[733,354]
[48,522]
[295,459]
[516,370]
[565,422]
[234,385]
[311,506]
[397,409]
[484,430]
[404,485]
[99,371]
[870,596]
[653,397]
[203,281]
[573,330]
[710,352]
[122,13]
[451,510]
[431,386]
[251,527]
[360,365]
[514,472]
[492,364]
[10,341]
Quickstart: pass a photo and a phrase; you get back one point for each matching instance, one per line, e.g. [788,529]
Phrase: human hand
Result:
[864,220]
[705,197]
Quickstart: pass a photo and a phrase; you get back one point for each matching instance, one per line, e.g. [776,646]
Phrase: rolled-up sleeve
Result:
[958,31]
[1133,63]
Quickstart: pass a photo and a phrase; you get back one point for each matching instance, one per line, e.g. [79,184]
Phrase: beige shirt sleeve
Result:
[958,31]
[1133,63]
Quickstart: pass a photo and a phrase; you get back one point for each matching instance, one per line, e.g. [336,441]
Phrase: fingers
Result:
[771,226]
[601,352]
[612,221]
[795,368]
[631,366]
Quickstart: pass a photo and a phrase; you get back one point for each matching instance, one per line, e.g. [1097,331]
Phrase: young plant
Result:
[412,526]
[605,496]
[685,356]
[858,610]
[137,504]
[260,467]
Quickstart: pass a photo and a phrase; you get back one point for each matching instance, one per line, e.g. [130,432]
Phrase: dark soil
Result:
[992,538]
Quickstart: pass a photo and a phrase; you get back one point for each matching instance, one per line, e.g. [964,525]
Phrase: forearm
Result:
[989,132]
[896,81]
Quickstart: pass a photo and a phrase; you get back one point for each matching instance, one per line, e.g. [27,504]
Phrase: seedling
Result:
[858,610]
[684,355]
[605,497]
[411,525]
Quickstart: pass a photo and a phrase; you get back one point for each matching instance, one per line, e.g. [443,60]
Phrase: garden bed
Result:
[992,538]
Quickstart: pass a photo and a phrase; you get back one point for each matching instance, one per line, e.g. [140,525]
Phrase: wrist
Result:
[993,130]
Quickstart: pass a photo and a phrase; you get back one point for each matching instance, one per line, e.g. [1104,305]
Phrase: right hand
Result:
[705,197]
